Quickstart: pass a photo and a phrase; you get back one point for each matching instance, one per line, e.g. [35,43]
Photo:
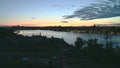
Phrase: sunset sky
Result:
[59,12]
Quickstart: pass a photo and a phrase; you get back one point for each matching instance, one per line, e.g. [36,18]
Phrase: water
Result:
[70,37]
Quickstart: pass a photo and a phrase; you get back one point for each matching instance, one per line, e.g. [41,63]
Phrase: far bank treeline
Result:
[11,41]
[82,29]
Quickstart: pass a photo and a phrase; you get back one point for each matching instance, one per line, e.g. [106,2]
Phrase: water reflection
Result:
[69,37]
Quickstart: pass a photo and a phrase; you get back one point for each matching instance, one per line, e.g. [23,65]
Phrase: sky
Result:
[59,12]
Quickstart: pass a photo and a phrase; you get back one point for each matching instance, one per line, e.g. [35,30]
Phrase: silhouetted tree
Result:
[94,49]
[79,43]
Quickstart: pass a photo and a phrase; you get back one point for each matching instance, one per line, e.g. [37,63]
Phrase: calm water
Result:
[69,37]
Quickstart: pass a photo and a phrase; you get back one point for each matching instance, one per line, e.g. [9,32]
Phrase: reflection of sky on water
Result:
[70,37]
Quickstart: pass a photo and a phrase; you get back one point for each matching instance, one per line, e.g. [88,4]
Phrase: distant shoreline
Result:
[113,30]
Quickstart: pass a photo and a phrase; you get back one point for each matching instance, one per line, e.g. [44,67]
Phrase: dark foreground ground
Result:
[40,60]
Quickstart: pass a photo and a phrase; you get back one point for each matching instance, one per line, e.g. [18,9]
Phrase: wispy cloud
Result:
[117,24]
[97,10]
[64,6]
[33,18]
[64,21]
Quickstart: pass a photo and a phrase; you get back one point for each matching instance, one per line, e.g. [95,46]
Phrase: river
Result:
[70,37]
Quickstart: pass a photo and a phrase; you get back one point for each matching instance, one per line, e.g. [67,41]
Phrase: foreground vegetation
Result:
[83,54]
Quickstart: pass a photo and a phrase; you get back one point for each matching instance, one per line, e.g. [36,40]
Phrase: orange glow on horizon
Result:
[57,22]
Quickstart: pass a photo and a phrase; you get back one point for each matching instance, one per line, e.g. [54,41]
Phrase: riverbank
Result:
[14,47]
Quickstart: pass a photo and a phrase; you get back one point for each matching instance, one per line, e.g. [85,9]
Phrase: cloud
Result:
[64,21]
[116,24]
[33,18]
[64,6]
[97,10]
